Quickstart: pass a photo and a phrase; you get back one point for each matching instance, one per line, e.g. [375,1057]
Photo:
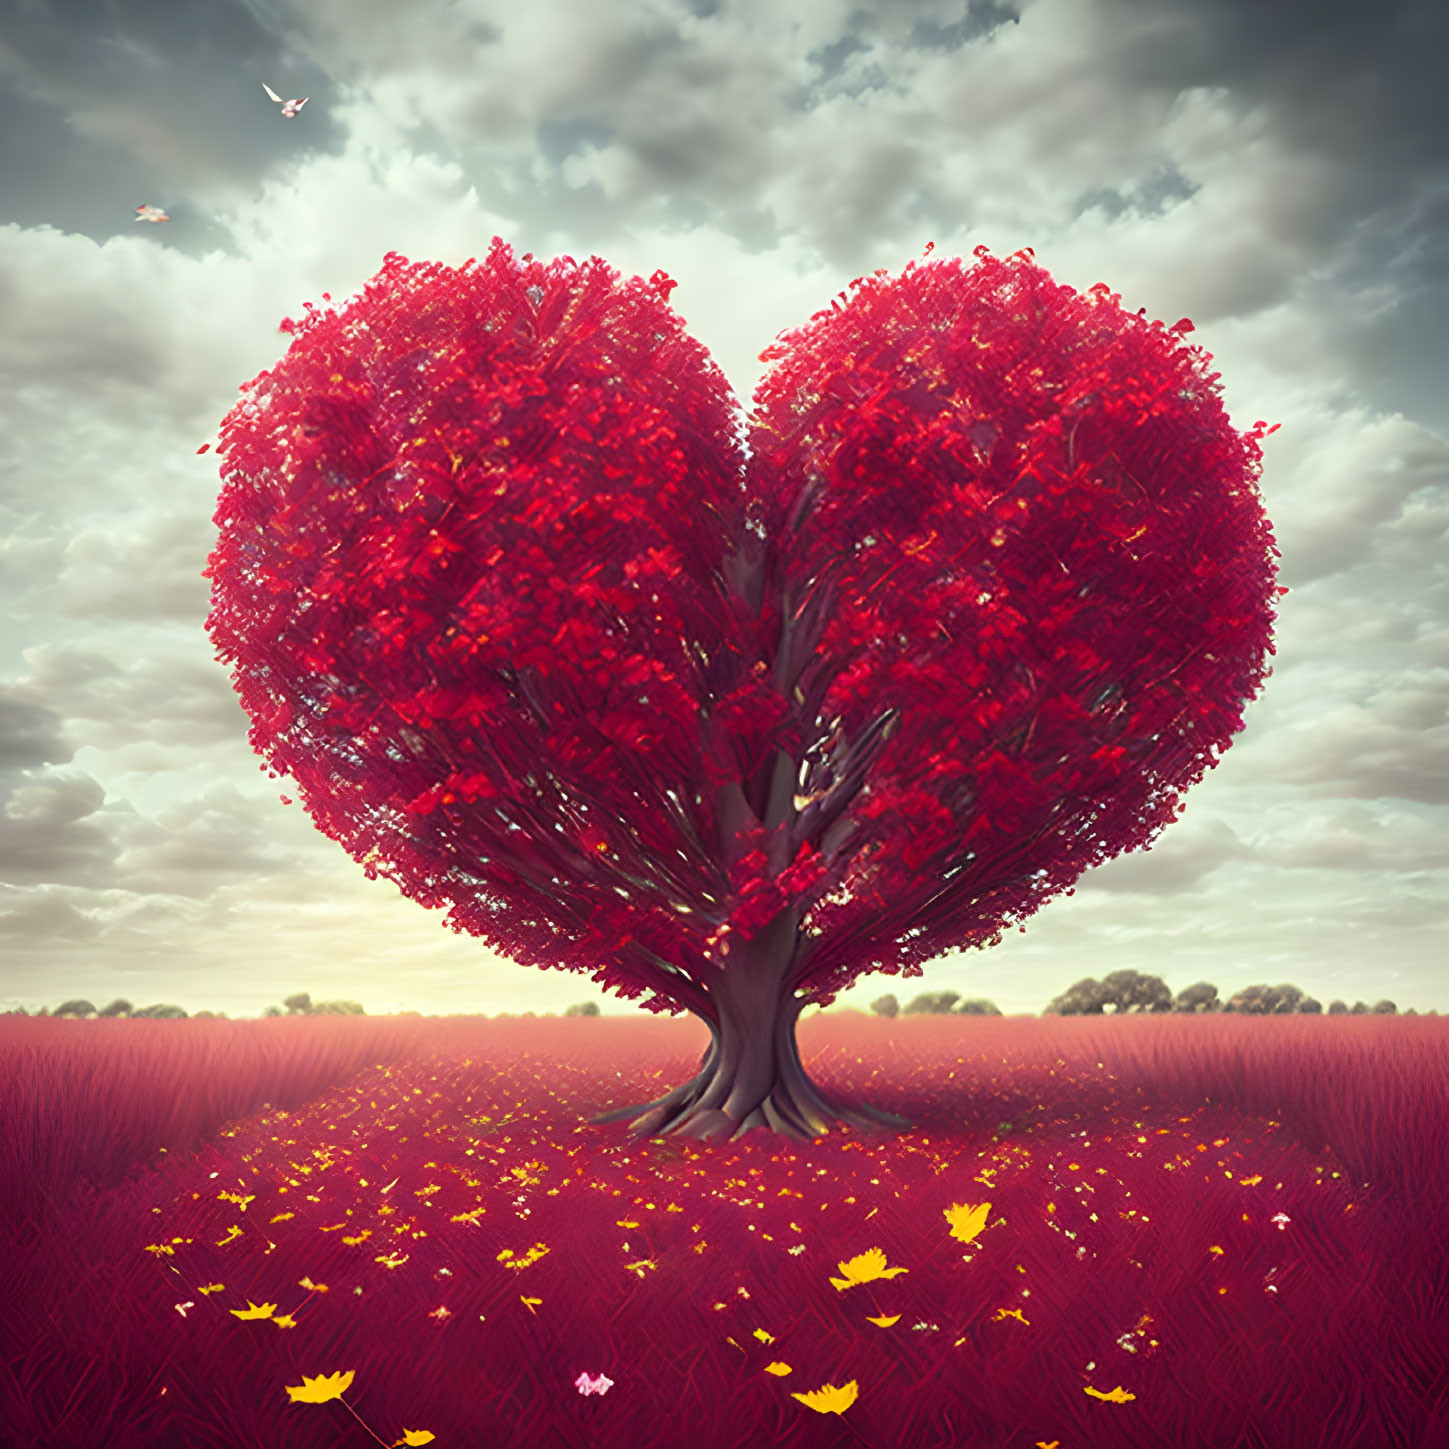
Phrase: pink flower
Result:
[600,1385]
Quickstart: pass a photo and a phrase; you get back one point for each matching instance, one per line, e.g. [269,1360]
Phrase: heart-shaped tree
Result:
[540,639]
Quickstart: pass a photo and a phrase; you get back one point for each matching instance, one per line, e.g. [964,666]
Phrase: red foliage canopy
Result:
[542,642]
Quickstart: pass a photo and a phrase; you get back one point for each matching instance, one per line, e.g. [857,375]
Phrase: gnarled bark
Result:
[751,1076]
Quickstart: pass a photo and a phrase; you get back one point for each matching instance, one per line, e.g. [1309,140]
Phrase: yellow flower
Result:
[865,1268]
[322,1388]
[779,1369]
[310,1286]
[414,1436]
[283,1320]
[883,1321]
[212,1288]
[1009,1313]
[1118,1395]
[252,1311]
[830,1400]
[763,1336]
[966,1221]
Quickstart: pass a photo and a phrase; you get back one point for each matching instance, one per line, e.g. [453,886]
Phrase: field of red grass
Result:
[1100,1233]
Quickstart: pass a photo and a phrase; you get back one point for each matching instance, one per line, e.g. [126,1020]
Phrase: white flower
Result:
[586,1385]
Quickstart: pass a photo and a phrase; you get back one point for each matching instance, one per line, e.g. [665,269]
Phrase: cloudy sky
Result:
[1279,174]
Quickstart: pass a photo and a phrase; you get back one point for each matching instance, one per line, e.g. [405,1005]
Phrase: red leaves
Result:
[762,897]
[488,525]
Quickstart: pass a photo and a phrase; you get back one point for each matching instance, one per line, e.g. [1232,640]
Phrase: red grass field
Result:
[1101,1233]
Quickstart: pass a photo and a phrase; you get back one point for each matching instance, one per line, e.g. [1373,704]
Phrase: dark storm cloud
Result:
[1394,338]
[1363,83]
[105,104]
[1362,89]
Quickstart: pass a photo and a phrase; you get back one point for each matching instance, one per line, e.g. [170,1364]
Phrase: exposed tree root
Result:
[739,1090]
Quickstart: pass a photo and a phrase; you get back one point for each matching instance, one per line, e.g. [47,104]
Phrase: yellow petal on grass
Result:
[285,1320]
[883,1321]
[281,1217]
[310,1286]
[1119,1395]
[763,1336]
[252,1311]
[322,1389]
[1010,1313]
[966,1221]
[413,1437]
[212,1288]
[830,1399]
[779,1369]
[865,1268]
[231,1233]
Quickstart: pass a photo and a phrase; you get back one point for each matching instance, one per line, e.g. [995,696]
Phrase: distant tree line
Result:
[301,1004]
[1118,991]
[1133,991]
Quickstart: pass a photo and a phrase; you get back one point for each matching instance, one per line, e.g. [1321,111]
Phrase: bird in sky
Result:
[289,108]
[151,213]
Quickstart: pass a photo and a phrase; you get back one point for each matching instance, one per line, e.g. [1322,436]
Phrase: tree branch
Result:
[820,814]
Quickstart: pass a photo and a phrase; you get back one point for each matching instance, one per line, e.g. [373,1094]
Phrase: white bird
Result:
[289,108]
[151,213]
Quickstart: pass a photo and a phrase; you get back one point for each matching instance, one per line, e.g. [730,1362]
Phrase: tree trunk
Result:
[751,1076]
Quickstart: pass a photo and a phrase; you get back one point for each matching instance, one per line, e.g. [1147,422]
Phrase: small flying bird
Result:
[289,108]
[151,213]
